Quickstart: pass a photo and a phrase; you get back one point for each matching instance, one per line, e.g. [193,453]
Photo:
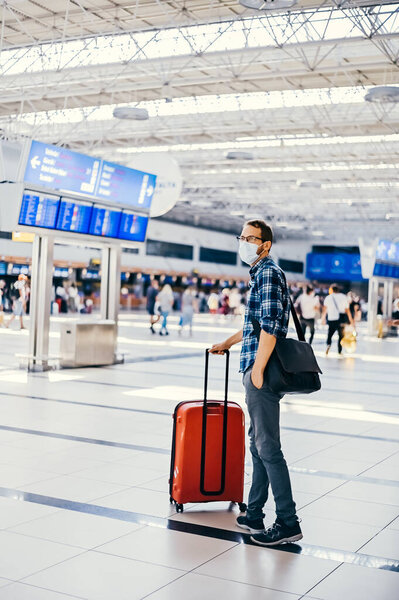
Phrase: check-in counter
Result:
[88,343]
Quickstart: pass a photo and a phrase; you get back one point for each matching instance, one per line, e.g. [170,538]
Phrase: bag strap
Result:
[299,330]
[204,422]
[336,306]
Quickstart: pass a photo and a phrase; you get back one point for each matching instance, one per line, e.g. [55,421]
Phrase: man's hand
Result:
[219,348]
[257,378]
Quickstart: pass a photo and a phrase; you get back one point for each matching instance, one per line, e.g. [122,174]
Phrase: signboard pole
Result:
[42,277]
[372,305]
[110,284]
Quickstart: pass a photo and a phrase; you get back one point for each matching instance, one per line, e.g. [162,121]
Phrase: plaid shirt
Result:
[268,303]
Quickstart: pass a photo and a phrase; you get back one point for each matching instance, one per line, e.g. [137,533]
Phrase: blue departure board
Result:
[38,210]
[3,268]
[127,186]
[74,216]
[133,227]
[104,222]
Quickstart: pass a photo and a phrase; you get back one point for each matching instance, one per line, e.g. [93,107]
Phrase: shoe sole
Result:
[250,529]
[288,540]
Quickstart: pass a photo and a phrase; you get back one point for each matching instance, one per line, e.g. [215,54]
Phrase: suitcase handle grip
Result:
[204,422]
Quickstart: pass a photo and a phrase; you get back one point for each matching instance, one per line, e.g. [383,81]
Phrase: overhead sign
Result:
[60,169]
[22,236]
[124,185]
[333,267]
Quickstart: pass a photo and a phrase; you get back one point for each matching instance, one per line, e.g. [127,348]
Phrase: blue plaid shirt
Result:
[268,303]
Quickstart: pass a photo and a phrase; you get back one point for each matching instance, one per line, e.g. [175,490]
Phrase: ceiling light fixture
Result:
[237,155]
[130,113]
[383,94]
[268,4]
[308,184]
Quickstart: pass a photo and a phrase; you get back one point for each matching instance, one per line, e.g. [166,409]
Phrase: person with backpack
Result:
[269,306]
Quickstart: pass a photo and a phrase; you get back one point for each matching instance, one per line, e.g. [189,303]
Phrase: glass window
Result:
[169,249]
[223,257]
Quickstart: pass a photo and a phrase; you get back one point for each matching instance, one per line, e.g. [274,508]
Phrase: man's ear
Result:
[262,248]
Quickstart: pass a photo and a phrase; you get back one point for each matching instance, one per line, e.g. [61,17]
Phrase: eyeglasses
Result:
[248,238]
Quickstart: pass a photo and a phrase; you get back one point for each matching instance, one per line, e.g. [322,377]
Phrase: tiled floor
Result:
[84,462]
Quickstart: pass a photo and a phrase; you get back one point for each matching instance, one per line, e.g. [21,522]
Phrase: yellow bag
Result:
[348,342]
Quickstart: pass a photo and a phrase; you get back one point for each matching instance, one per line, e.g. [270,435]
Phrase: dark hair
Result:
[266,230]
[309,289]
[335,288]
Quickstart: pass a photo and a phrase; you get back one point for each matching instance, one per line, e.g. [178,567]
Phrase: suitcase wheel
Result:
[171,500]
[179,508]
[242,506]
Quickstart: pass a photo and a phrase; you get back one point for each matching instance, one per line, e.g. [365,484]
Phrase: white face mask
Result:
[247,252]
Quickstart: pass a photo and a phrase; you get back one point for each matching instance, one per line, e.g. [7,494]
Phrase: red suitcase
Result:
[208,449]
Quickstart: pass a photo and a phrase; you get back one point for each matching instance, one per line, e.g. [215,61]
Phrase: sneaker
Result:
[255,526]
[328,349]
[278,533]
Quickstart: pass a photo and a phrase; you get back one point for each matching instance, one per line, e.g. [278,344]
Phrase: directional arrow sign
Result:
[35,162]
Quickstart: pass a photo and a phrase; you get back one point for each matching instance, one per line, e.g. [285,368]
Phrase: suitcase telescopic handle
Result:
[204,423]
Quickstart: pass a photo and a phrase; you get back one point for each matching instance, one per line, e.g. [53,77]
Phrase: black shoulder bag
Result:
[292,367]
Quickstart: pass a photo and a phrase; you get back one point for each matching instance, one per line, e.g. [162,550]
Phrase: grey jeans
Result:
[269,464]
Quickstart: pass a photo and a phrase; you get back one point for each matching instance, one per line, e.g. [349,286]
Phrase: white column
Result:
[40,299]
[110,282]
[372,305]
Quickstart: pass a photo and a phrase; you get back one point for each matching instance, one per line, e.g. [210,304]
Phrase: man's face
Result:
[253,235]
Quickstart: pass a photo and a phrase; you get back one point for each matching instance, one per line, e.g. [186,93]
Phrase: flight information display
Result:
[124,185]
[104,222]
[38,210]
[133,227]
[3,268]
[74,216]
[61,169]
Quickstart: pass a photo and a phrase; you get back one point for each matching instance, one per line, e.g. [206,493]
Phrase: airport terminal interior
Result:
[138,138]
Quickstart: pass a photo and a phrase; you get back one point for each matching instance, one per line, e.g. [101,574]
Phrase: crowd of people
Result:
[314,304]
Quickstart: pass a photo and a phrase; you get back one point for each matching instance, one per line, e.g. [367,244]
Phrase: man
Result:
[269,304]
[336,307]
[307,305]
[152,294]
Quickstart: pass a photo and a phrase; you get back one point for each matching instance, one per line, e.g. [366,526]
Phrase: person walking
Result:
[336,308]
[165,299]
[188,305]
[269,304]
[307,306]
[18,307]
[213,302]
[152,293]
